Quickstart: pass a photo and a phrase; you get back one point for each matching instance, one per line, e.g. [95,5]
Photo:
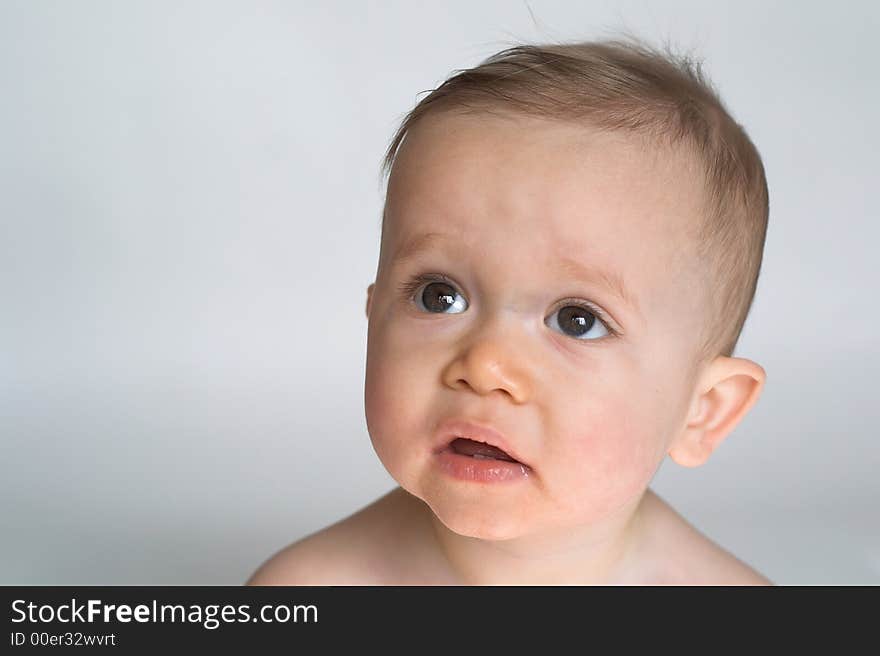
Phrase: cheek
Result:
[383,404]
[615,451]
[393,408]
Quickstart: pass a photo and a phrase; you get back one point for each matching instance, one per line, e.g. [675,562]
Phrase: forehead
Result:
[572,178]
[543,190]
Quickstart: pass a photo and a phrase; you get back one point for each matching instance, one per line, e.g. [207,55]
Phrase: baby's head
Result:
[571,242]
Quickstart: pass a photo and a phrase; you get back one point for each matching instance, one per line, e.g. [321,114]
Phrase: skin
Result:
[593,415]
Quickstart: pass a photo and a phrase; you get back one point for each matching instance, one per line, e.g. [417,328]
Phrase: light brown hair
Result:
[625,84]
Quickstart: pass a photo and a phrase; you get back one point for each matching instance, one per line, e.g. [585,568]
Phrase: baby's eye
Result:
[579,322]
[436,294]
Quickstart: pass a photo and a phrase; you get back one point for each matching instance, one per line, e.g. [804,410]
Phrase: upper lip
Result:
[479,432]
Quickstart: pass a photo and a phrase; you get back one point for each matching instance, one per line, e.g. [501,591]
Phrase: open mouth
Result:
[479,450]
[473,461]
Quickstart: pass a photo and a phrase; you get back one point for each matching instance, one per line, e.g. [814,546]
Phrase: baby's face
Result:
[567,319]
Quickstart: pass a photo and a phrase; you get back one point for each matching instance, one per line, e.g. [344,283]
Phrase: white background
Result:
[189,218]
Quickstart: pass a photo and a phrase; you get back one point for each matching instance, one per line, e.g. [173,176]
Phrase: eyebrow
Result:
[611,280]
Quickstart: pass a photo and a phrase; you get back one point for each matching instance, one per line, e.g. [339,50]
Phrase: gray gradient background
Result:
[189,219]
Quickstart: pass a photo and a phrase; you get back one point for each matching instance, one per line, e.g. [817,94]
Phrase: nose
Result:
[492,360]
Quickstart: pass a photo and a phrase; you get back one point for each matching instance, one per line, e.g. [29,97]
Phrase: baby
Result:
[571,241]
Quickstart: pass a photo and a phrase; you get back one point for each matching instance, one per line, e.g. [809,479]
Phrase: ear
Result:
[726,391]
[370,298]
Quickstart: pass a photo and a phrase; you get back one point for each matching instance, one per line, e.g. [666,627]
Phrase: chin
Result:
[483,523]
[490,514]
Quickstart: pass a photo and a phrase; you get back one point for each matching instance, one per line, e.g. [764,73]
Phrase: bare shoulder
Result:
[688,556]
[362,549]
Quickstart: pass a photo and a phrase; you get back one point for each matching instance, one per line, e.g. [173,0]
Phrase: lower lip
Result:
[481,470]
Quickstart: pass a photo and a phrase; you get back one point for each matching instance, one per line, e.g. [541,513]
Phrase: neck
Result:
[601,553]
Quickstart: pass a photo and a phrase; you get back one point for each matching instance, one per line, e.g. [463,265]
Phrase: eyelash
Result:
[408,289]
